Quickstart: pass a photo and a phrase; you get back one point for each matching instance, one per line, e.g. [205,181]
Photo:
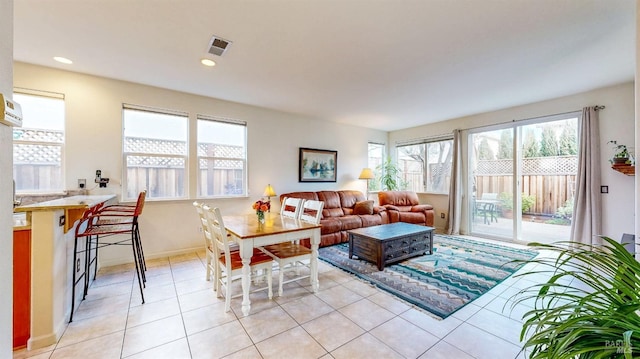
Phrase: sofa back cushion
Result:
[348,200]
[398,198]
[331,201]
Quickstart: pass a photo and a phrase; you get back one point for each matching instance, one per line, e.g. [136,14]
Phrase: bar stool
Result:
[104,228]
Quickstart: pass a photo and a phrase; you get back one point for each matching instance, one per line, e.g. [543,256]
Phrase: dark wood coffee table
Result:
[389,243]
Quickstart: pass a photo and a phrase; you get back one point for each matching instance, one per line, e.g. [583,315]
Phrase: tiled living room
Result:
[148,100]
[347,318]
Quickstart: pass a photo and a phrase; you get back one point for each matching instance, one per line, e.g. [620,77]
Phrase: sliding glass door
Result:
[522,179]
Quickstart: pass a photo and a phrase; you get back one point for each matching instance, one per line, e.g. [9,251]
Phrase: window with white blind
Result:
[38,146]
[155,153]
[426,166]
[222,157]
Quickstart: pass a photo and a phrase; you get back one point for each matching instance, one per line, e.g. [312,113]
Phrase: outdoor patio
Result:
[533,229]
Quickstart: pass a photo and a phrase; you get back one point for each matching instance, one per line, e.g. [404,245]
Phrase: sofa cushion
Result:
[350,222]
[363,207]
[398,198]
[332,207]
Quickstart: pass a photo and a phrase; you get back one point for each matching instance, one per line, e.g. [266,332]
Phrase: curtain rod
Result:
[597,108]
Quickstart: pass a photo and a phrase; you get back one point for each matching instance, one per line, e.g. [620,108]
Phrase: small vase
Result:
[260,217]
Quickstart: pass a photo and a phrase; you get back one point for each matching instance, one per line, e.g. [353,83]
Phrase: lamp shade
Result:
[269,191]
[367,174]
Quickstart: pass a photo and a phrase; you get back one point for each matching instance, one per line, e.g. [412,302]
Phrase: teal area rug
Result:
[459,271]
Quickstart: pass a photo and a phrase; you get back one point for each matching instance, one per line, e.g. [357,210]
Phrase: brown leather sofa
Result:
[404,206]
[343,211]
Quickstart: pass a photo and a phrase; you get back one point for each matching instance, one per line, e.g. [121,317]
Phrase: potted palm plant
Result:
[588,308]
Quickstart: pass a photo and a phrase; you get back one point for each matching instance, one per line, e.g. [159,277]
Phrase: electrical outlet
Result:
[199,229]
[442,215]
[82,183]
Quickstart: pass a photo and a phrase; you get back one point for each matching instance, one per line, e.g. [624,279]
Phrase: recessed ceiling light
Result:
[63,60]
[208,62]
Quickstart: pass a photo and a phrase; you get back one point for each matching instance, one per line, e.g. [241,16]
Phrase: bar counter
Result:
[52,227]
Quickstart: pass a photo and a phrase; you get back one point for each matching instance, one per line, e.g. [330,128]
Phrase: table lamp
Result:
[367,174]
[269,192]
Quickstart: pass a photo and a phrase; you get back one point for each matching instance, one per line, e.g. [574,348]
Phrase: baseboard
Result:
[119,261]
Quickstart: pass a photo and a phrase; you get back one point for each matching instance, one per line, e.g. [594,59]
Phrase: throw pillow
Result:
[363,207]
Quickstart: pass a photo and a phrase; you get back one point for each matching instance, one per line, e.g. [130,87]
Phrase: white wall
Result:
[94,141]
[6,185]
[616,123]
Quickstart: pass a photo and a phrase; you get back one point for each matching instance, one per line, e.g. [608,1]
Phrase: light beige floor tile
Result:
[219,341]
[246,353]
[306,308]
[444,350]
[35,353]
[291,292]
[153,272]
[187,257]
[151,335]
[438,327]
[43,355]
[154,293]
[480,344]
[332,330]
[507,308]
[498,325]
[365,347]
[366,314]
[207,317]
[158,280]
[194,285]
[259,301]
[404,337]
[327,356]
[186,274]
[389,302]
[108,291]
[107,347]
[294,343]
[113,278]
[361,287]
[150,312]
[93,327]
[199,299]
[338,296]
[88,309]
[178,349]
[267,323]
[466,312]
[336,275]
[484,299]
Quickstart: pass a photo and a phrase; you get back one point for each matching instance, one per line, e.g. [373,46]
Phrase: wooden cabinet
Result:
[21,288]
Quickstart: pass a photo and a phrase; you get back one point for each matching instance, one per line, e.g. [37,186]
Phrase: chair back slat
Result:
[291,207]
[140,203]
[218,234]
[311,211]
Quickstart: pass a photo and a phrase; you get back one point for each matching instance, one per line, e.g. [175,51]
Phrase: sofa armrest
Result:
[421,208]
[378,209]
[391,207]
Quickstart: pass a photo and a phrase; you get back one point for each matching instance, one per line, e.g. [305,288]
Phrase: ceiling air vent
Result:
[218,46]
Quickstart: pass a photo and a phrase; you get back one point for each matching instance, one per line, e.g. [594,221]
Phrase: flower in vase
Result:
[261,206]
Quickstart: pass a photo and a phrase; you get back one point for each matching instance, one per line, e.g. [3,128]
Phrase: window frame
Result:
[244,159]
[61,145]
[426,142]
[125,155]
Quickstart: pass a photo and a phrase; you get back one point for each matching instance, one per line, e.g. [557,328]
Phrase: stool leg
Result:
[136,262]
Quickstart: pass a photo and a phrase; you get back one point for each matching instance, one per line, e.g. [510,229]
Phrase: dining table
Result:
[250,233]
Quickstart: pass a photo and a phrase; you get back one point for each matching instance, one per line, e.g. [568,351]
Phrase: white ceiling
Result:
[380,64]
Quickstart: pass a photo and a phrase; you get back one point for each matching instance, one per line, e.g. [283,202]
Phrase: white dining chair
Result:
[290,256]
[229,263]
[291,207]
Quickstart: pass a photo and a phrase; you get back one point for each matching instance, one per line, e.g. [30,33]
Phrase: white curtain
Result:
[586,224]
[455,187]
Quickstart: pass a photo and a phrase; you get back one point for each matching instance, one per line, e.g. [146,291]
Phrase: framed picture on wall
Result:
[317,165]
